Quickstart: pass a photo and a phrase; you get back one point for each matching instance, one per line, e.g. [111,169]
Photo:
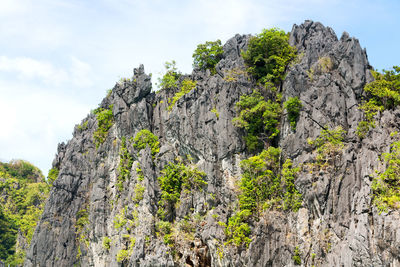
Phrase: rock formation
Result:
[89,221]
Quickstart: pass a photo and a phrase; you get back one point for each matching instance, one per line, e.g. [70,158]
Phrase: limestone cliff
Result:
[90,220]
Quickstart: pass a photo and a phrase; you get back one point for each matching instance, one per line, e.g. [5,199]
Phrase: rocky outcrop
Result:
[89,221]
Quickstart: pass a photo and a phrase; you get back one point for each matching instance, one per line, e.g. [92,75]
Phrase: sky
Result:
[58,58]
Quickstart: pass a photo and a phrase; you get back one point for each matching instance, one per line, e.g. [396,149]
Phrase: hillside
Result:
[270,153]
[23,192]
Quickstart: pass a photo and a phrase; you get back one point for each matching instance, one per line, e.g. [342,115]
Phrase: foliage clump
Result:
[268,54]
[260,119]
[176,178]
[106,243]
[52,176]
[293,106]
[125,164]
[238,230]
[171,76]
[386,185]
[207,55]
[145,137]
[187,85]
[382,94]
[296,256]
[23,192]
[265,184]
[105,120]
[8,236]
[328,144]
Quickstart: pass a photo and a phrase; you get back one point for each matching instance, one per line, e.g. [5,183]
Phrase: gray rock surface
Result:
[337,226]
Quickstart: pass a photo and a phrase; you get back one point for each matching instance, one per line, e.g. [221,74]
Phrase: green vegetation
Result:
[145,137]
[293,106]
[165,229]
[265,185]
[120,219]
[329,144]
[177,178]
[382,94]
[8,236]
[296,256]
[386,185]
[139,191]
[106,243]
[259,180]
[23,192]
[109,91]
[238,231]
[82,127]
[186,86]
[215,111]
[259,118]
[125,164]
[122,255]
[207,55]
[267,56]
[52,176]
[105,120]
[292,198]
[171,76]
[82,220]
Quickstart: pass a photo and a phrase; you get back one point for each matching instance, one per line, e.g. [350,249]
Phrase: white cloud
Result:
[13,7]
[79,72]
[28,68]
[35,121]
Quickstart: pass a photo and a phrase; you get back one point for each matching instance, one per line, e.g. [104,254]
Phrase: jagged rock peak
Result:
[336,225]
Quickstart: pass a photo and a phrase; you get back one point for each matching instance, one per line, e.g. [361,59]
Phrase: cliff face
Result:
[89,221]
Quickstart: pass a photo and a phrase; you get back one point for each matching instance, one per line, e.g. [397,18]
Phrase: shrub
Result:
[292,198]
[370,109]
[106,243]
[82,127]
[52,176]
[122,255]
[293,106]
[171,76]
[139,191]
[105,120]
[268,54]
[386,87]
[120,219]
[259,118]
[386,185]
[328,144]
[296,256]
[264,184]
[260,180]
[125,164]
[145,137]
[215,111]
[186,86]
[178,177]
[237,230]
[207,55]
[383,93]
